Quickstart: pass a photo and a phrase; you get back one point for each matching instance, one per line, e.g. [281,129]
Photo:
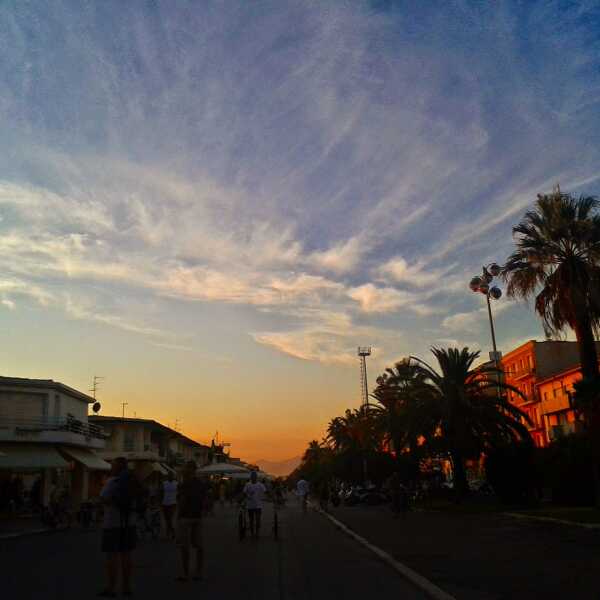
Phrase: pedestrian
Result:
[192,496]
[302,488]
[169,503]
[119,497]
[254,492]
[399,495]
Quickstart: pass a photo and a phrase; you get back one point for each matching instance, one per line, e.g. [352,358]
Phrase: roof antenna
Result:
[95,385]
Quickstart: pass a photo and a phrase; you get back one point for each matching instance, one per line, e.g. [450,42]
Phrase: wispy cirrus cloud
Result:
[321,160]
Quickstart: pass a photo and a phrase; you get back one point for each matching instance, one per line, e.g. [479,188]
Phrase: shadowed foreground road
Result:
[311,560]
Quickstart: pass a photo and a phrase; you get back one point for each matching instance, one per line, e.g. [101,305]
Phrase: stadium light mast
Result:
[363,352]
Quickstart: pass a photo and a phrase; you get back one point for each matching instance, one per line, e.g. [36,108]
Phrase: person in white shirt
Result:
[302,492]
[254,493]
[169,503]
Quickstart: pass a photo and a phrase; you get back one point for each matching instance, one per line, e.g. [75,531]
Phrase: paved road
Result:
[311,560]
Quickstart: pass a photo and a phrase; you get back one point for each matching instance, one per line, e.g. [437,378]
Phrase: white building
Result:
[149,447]
[44,430]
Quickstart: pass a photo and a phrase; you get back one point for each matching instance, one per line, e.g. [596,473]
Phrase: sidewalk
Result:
[11,527]
[485,556]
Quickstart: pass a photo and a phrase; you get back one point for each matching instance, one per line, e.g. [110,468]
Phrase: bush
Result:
[566,468]
[511,471]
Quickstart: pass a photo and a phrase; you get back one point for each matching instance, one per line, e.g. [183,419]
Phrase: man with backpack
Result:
[120,496]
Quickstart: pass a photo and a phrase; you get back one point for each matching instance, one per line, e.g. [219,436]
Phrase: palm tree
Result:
[469,415]
[313,452]
[557,262]
[357,431]
[400,397]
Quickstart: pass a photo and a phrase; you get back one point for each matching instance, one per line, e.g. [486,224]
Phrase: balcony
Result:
[556,403]
[521,374]
[52,430]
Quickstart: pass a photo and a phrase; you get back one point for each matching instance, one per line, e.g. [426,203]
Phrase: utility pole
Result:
[124,404]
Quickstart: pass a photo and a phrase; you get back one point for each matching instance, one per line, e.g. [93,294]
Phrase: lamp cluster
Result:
[482,283]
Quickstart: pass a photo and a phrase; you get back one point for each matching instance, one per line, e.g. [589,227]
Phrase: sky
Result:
[212,204]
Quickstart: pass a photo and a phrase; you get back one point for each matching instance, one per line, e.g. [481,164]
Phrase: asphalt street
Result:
[310,560]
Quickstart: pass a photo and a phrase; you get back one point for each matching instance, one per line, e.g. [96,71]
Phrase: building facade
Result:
[152,449]
[544,373]
[44,432]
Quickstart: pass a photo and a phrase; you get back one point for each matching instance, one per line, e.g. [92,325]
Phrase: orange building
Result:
[554,392]
[544,372]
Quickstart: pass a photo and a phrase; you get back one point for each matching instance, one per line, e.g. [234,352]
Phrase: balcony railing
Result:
[43,424]
[518,374]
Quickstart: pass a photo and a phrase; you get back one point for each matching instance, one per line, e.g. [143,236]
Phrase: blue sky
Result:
[214,203]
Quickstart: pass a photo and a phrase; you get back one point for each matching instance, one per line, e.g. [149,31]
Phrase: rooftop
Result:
[45,383]
[101,419]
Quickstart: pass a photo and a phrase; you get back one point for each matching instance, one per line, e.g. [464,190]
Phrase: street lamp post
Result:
[482,284]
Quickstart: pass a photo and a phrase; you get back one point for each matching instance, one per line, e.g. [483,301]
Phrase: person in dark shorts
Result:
[254,491]
[192,496]
[119,527]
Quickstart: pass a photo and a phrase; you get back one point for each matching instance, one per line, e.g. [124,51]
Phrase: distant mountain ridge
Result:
[280,468]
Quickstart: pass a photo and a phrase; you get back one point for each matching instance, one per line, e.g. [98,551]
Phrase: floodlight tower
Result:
[363,352]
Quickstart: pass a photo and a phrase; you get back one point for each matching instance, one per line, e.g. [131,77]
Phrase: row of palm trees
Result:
[419,411]
[459,410]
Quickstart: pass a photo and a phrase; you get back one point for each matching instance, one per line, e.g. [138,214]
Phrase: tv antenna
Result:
[363,352]
[95,385]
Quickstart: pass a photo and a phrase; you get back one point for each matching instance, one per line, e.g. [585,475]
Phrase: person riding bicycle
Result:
[254,492]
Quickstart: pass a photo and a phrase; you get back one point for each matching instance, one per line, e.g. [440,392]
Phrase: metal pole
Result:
[487,296]
[366,392]
[496,361]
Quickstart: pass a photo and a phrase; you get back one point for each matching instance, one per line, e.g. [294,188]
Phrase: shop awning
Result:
[87,458]
[30,457]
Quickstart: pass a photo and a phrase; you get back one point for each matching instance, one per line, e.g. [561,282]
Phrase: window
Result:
[128,441]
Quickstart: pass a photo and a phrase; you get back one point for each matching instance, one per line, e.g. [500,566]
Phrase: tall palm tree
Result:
[469,414]
[557,262]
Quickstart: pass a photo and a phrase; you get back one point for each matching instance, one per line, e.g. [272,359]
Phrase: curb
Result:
[20,534]
[432,590]
[552,520]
